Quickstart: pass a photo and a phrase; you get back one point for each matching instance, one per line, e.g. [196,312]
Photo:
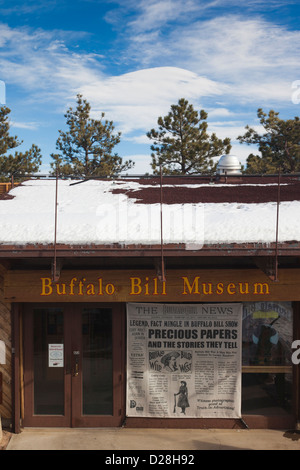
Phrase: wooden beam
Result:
[143,285]
[174,250]
[266,265]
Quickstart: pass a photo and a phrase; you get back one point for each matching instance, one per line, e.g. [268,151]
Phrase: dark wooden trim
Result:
[296,371]
[15,313]
[247,421]
[174,250]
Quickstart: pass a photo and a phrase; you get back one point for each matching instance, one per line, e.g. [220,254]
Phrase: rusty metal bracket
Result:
[55,271]
[162,275]
[277,228]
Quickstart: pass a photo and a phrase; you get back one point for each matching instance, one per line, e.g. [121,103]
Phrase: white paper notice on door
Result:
[2,353]
[55,355]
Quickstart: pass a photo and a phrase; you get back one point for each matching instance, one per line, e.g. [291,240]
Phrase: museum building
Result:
[150,302]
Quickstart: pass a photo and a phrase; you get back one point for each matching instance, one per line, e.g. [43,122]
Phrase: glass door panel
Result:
[97,361]
[48,361]
[267,382]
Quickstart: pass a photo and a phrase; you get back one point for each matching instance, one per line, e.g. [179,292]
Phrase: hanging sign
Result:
[184,360]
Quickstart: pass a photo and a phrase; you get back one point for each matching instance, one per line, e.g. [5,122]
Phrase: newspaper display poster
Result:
[184,360]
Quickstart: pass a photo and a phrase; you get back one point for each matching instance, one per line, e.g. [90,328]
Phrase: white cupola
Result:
[229,165]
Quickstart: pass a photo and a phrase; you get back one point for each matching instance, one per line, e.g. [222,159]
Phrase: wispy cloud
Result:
[152,15]
[40,62]
[227,44]
[146,15]
[255,58]
[33,126]
[19,7]
[245,57]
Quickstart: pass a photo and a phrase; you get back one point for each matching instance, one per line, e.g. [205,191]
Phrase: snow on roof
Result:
[127,211]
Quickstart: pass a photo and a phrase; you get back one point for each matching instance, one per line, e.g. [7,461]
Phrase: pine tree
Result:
[279,145]
[86,148]
[182,145]
[18,164]
[257,165]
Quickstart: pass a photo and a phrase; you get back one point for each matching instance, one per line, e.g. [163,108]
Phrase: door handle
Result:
[76,369]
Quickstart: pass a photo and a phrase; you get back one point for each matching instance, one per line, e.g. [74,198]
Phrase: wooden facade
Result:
[108,287]
[6,368]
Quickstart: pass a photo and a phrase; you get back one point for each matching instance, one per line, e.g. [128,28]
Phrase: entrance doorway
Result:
[73,365]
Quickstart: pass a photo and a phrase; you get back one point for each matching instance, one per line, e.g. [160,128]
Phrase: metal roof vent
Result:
[229,165]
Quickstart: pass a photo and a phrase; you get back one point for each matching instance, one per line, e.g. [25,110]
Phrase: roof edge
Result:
[289,248]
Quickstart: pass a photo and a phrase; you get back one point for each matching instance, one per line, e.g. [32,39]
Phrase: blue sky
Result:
[132,59]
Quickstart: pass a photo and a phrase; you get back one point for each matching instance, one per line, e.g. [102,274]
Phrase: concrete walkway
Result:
[117,439]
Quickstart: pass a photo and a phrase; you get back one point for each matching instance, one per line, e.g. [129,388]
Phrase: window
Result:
[266,357]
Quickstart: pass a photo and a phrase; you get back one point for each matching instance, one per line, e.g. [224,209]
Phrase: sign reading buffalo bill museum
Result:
[126,286]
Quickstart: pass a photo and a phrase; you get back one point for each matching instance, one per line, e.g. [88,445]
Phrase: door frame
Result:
[73,416]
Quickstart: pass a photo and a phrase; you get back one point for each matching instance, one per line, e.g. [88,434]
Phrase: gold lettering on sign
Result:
[77,287]
[262,287]
[147,286]
[195,287]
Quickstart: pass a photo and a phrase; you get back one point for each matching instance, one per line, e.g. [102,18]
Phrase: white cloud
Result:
[216,63]
[138,139]
[142,164]
[255,58]
[39,62]
[155,13]
[231,129]
[238,58]
[233,47]
[25,125]
[243,151]
[136,99]
[219,112]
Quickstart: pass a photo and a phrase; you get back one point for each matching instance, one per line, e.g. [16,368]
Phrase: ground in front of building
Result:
[6,435]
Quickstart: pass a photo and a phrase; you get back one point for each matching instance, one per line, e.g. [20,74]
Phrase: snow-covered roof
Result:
[127,212]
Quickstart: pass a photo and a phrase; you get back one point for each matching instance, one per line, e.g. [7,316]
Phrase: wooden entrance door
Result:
[73,365]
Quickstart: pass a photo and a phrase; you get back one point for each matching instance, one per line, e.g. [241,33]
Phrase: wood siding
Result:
[5,369]
[5,187]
